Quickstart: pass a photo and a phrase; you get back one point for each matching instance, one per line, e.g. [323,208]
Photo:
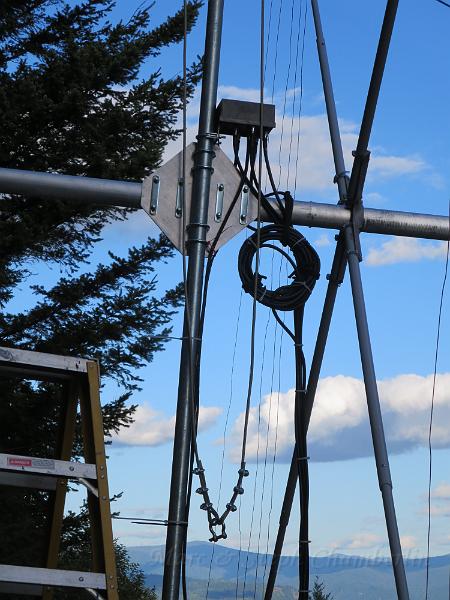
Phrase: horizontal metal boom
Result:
[309,214]
[69,187]
[388,222]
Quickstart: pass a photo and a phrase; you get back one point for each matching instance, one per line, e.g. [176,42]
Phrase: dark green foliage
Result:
[72,100]
[76,554]
[318,591]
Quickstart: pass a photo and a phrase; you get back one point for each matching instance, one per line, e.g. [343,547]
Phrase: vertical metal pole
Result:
[196,244]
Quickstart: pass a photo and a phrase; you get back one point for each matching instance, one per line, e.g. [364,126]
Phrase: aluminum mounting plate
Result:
[162,198]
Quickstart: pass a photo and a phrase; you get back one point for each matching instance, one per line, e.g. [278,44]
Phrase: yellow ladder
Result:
[81,381]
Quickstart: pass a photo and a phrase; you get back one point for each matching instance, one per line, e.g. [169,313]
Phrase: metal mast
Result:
[196,246]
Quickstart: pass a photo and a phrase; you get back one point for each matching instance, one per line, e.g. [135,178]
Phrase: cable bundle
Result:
[292,297]
[306,265]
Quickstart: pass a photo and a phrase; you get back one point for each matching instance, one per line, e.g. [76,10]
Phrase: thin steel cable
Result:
[214,519]
[294,94]
[240,547]
[230,398]
[276,52]
[268,319]
[258,447]
[280,352]
[258,437]
[291,29]
[184,139]
[258,238]
[185,286]
[269,31]
[266,62]
[300,106]
[430,428]
[258,443]
[266,449]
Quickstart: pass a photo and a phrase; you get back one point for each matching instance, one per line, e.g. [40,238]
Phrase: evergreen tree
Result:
[76,554]
[72,101]
[318,591]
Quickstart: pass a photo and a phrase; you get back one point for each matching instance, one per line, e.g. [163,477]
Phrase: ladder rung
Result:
[52,577]
[47,466]
[27,480]
[23,362]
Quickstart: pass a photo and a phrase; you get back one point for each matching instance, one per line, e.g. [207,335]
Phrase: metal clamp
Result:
[180,199]
[244,205]
[154,194]
[219,202]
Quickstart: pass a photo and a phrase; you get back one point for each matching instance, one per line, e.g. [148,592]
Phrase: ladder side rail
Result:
[99,508]
[63,452]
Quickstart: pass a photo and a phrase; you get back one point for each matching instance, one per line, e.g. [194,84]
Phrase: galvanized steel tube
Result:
[69,187]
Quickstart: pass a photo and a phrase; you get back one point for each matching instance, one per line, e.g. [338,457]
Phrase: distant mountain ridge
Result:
[346,577]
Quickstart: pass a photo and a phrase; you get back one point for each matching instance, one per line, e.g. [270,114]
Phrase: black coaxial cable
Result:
[293,297]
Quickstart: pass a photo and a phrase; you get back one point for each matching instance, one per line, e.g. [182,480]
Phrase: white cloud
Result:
[440,501]
[323,241]
[363,540]
[408,542]
[372,198]
[439,510]
[339,427]
[404,249]
[153,428]
[441,491]
[367,540]
[393,166]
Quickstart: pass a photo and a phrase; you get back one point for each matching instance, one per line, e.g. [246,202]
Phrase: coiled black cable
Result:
[293,297]
[306,268]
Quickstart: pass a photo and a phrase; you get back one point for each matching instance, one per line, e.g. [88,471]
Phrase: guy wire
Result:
[186,297]
[276,51]
[258,436]
[291,28]
[294,94]
[430,428]
[274,450]
[240,548]
[258,238]
[266,450]
[300,106]
[263,483]
[227,417]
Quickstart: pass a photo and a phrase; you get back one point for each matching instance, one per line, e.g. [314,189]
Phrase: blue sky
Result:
[409,170]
